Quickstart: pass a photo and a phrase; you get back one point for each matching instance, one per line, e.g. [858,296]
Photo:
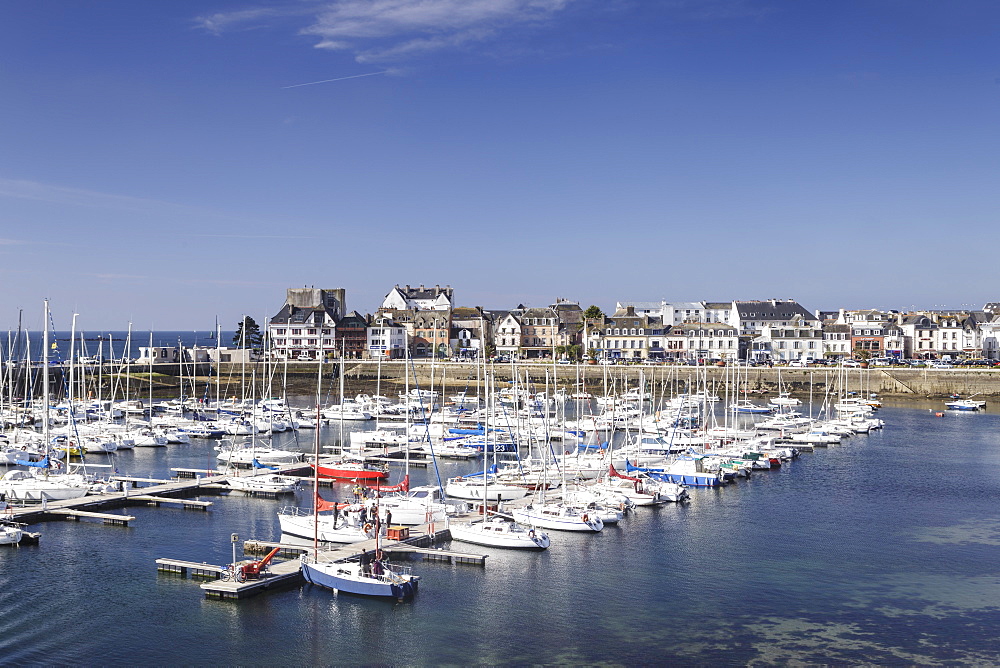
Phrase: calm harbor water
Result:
[882,550]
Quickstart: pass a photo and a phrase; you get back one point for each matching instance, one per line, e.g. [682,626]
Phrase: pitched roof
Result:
[773,309]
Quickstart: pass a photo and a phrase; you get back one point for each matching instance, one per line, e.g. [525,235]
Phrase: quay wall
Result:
[389,378]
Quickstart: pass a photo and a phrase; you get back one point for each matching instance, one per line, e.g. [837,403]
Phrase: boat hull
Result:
[347,578]
[348,473]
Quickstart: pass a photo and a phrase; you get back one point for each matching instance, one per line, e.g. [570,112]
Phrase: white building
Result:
[418,299]
[753,317]
[386,339]
[507,335]
[670,313]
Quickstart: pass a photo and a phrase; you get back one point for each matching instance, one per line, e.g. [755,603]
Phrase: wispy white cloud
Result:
[44,192]
[80,197]
[387,30]
[255,236]
[11,242]
[382,31]
[120,277]
[719,10]
[244,19]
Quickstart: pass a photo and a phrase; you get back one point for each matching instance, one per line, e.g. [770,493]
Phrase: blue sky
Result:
[162,163]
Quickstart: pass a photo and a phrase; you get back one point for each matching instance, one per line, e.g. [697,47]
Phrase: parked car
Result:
[850,363]
[797,363]
[942,365]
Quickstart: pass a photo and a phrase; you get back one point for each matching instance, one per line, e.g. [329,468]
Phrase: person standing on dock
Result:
[388,517]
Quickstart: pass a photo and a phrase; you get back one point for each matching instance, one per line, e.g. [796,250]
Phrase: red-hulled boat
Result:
[352,471]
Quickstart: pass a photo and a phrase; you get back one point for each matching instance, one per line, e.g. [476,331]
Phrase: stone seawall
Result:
[389,378]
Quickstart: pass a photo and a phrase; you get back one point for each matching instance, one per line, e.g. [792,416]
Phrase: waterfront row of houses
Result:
[423,322]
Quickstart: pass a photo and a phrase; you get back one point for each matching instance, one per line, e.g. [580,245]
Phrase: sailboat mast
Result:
[45,382]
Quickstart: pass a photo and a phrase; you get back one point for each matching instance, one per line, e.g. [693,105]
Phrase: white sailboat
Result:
[40,484]
[496,531]
[369,576]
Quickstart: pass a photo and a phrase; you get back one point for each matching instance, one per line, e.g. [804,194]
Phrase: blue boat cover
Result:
[595,446]
[43,464]
[258,465]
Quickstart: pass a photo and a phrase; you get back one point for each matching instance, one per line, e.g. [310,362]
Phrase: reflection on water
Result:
[881,550]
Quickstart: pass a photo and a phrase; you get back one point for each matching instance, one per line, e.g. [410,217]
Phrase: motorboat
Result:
[244,454]
[18,485]
[558,516]
[479,488]
[341,526]
[747,406]
[269,483]
[10,533]
[416,506]
[498,532]
[965,405]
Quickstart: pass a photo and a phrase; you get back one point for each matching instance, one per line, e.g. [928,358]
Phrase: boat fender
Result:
[586,518]
[531,533]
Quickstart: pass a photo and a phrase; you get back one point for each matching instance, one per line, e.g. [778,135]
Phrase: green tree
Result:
[248,334]
[574,351]
[593,312]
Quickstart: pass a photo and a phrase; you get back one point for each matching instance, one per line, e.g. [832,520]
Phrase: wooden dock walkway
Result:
[283,574]
[92,505]
[278,575]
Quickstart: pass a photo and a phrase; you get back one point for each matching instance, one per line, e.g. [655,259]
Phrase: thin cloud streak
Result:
[118,277]
[52,194]
[255,236]
[356,76]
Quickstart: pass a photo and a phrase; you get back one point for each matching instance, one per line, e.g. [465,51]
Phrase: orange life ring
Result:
[586,518]
[368,527]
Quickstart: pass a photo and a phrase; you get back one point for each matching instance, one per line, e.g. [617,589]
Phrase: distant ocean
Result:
[107,344]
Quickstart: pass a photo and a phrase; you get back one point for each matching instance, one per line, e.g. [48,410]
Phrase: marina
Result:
[785,511]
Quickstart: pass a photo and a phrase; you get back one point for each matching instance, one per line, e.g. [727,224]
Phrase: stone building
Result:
[304,328]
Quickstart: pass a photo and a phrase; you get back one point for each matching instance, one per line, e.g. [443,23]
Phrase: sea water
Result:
[881,550]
